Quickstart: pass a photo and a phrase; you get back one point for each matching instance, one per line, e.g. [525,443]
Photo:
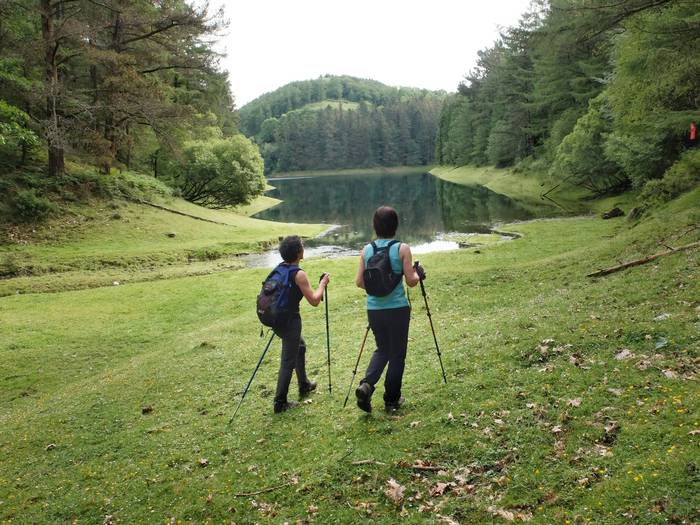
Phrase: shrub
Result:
[683,176]
[220,173]
[29,206]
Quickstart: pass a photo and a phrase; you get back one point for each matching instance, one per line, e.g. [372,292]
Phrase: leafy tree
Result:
[220,173]
[581,157]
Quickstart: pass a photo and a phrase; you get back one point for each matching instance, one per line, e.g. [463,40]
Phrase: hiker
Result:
[388,314]
[289,327]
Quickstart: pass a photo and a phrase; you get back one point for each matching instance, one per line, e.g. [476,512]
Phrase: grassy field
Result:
[569,400]
[123,241]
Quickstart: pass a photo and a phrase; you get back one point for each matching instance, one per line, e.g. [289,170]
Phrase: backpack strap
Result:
[387,247]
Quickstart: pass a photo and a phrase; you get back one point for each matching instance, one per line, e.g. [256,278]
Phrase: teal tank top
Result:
[397,298]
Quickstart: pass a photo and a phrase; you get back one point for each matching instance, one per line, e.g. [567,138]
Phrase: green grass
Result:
[117,238]
[523,425]
[333,104]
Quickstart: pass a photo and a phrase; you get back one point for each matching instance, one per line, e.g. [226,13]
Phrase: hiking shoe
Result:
[282,407]
[393,407]
[363,394]
[307,388]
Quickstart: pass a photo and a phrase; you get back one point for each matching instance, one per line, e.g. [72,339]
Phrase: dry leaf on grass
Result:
[447,520]
[503,513]
[394,491]
[623,354]
[509,515]
[576,402]
[439,488]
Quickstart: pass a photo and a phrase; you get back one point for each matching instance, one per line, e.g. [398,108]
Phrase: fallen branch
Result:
[176,212]
[420,465]
[262,491]
[644,260]
[368,462]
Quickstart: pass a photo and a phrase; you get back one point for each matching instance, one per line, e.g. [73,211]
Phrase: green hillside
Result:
[343,122]
[100,242]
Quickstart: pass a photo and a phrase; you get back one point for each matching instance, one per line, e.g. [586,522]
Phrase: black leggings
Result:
[293,357]
[390,328]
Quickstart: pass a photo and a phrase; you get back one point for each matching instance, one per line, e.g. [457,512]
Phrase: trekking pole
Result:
[354,372]
[251,377]
[328,338]
[430,318]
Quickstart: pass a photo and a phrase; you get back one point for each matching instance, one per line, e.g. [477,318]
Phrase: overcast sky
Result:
[426,44]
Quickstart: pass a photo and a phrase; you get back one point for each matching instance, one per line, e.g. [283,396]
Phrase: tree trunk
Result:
[110,134]
[54,139]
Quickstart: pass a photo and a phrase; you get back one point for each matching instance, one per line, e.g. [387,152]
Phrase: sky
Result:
[424,44]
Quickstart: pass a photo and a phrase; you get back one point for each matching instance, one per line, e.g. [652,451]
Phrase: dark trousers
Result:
[390,328]
[293,357]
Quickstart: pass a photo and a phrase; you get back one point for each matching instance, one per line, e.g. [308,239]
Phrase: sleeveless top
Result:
[397,298]
[295,295]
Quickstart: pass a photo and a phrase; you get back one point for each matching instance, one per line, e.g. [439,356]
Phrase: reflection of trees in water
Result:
[425,205]
[465,208]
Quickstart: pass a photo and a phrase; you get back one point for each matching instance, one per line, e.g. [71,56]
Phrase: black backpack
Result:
[273,300]
[380,279]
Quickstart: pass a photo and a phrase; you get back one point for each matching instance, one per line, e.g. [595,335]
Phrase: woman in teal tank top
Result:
[388,315]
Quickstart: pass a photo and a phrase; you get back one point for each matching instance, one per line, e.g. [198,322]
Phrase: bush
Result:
[683,176]
[29,206]
[220,173]
[86,182]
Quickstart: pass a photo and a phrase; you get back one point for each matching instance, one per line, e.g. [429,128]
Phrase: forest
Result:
[603,95]
[117,85]
[343,122]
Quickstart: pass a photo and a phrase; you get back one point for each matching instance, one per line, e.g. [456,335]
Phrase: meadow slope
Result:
[569,400]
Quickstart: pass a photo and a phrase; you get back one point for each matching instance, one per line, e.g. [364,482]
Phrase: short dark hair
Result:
[385,222]
[290,248]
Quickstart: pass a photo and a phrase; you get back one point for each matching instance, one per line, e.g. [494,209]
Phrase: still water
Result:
[428,209]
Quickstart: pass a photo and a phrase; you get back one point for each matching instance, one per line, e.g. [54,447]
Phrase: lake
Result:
[428,208]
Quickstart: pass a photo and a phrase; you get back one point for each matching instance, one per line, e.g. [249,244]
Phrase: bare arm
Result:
[360,278]
[302,281]
[410,274]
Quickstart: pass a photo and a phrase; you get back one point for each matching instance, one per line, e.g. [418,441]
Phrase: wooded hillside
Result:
[358,123]
[601,94]
[131,85]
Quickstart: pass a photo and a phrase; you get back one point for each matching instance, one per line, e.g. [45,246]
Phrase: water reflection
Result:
[426,206]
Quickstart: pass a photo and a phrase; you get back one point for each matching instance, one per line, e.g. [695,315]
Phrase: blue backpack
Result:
[273,300]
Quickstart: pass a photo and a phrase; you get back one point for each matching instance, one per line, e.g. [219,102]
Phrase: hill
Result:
[343,122]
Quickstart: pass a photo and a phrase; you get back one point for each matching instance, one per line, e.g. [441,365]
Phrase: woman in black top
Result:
[293,346]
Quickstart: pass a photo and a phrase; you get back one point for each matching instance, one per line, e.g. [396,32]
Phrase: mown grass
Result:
[110,237]
[544,431]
